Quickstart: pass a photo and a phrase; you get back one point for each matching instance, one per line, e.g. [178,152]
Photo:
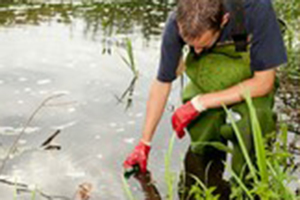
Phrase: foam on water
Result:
[43,81]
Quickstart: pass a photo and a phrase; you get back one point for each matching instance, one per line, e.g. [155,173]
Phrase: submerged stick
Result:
[13,147]
[51,138]
[22,187]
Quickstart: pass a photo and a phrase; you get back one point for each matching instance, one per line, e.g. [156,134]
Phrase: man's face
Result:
[205,41]
[208,38]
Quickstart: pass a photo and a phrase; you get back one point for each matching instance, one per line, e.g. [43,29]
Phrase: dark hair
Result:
[197,16]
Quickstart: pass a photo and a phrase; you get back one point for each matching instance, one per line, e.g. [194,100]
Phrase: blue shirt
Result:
[267,47]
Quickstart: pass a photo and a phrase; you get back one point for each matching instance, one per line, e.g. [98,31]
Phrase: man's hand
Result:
[139,156]
[185,114]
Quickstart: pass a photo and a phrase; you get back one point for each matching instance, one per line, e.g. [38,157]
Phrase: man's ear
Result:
[225,19]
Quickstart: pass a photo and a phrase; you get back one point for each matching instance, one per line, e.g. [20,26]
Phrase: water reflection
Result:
[49,49]
[148,186]
[107,18]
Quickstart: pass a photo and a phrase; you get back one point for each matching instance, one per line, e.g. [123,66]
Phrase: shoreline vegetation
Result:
[270,175]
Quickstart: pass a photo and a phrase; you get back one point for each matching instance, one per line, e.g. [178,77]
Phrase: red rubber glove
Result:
[183,116]
[138,156]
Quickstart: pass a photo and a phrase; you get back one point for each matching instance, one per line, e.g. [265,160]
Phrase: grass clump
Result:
[271,173]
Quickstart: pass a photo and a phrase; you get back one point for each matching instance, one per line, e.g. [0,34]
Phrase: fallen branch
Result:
[21,187]
[13,147]
[51,138]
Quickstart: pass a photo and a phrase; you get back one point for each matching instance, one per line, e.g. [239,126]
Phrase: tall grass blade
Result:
[127,189]
[287,194]
[126,62]
[284,136]
[169,176]
[202,185]
[129,60]
[207,193]
[15,190]
[258,140]
[240,183]
[242,146]
[217,145]
[33,195]
[130,55]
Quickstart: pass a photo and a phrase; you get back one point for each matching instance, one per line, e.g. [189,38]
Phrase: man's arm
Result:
[260,85]
[157,100]
[158,97]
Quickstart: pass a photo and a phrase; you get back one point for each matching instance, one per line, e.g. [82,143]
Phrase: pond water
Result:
[45,52]
[76,51]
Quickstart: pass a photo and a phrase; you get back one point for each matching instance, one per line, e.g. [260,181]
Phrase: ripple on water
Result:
[120,130]
[113,125]
[131,122]
[61,92]
[22,142]
[43,82]
[129,140]
[22,79]
[27,89]
[42,92]
[97,137]
[8,130]
[20,102]
[138,115]
[70,65]
[76,174]
[71,110]
[64,126]
[93,65]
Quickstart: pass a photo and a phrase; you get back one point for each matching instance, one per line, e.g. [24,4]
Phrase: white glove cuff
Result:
[198,104]
[146,143]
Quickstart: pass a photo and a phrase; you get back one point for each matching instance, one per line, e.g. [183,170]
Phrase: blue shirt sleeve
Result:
[171,51]
[267,45]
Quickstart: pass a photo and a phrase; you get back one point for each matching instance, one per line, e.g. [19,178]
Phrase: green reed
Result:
[126,188]
[272,170]
[169,175]
[271,178]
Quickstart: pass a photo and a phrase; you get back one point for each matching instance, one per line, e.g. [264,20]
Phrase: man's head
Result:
[200,22]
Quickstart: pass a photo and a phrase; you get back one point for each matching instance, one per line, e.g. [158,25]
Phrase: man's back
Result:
[267,46]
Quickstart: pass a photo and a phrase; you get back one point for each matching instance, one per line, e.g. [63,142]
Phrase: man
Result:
[201,24]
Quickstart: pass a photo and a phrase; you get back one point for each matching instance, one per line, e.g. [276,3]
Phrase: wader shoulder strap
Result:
[239,32]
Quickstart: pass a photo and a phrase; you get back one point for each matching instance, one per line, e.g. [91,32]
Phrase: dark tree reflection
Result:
[120,17]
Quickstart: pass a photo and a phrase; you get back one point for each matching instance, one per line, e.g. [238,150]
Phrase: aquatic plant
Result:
[33,194]
[270,178]
[13,147]
[126,188]
[130,63]
[169,175]
[200,192]
[271,172]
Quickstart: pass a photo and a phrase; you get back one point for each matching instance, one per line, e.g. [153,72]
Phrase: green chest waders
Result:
[219,69]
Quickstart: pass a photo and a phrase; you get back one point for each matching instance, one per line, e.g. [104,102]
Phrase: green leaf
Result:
[218,145]
[258,140]
[240,183]
[242,146]
[127,189]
